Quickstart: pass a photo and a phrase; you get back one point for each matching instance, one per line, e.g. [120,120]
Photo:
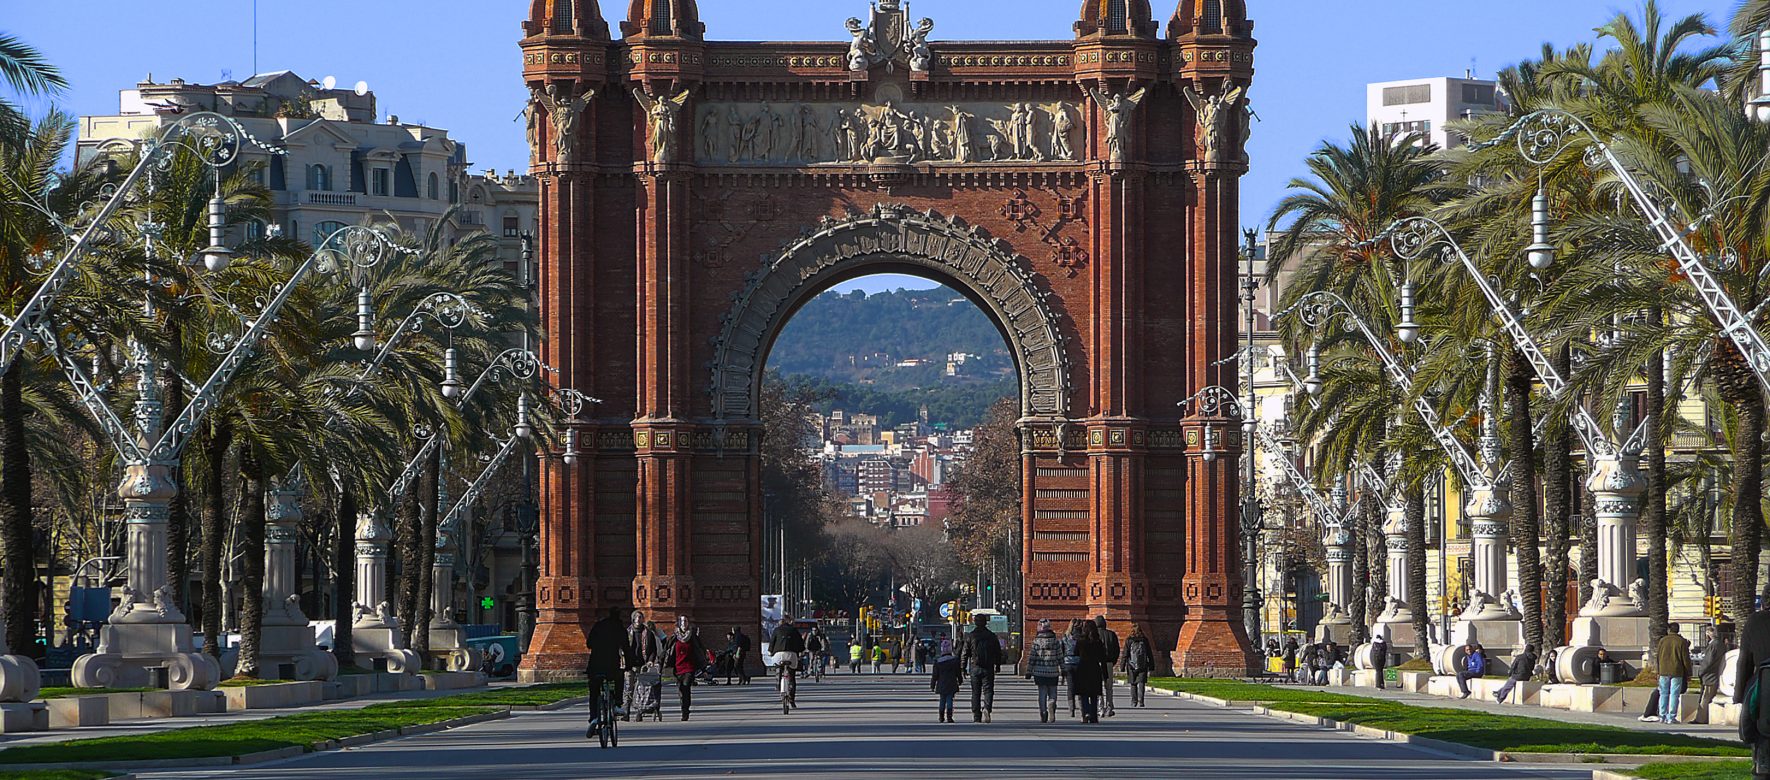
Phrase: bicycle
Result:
[604,726]
[788,663]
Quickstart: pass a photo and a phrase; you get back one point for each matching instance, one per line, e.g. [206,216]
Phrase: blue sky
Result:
[454,63]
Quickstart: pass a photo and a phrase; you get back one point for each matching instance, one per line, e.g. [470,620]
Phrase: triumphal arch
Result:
[1082,191]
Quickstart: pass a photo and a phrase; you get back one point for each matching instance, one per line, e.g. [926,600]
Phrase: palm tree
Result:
[28,73]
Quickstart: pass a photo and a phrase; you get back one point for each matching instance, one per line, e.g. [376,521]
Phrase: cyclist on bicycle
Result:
[607,643]
[788,646]
[814,650]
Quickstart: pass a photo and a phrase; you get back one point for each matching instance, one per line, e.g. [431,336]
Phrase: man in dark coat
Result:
[1109,640]
[1714,658]
[1754,650]
[607,643]
[787,639]
[982,653]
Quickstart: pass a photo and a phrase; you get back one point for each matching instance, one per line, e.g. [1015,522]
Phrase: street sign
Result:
[946,610]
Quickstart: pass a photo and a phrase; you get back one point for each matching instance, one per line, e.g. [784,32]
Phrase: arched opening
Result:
[890,464]
[1017,337]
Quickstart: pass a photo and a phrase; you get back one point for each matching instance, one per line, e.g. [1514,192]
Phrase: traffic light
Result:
[1712,606]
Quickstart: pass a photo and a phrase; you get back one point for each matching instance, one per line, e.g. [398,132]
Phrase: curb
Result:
[564,704]
[265,755]
[1605,774]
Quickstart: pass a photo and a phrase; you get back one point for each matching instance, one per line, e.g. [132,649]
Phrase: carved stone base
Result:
[127,651]
[449,650]
[557,652]
[1499,636]
[294,646]
[18,717]
[373,640]
[19,679]
[1398,633]
[1338,632]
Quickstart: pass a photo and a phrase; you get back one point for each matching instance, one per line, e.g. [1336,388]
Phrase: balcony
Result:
[331,199]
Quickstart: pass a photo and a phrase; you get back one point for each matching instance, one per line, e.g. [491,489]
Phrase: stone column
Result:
[376,633]
[1339,578]
[287,639]
[1488,511]
[1616,487]
[1396,619]
[448,644]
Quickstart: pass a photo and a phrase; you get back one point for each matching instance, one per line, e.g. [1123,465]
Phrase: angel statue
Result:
[664,113]
[563,110]
[1214,113]
[1119,108]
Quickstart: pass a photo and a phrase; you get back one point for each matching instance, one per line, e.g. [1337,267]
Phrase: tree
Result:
[986,488]
[28,73]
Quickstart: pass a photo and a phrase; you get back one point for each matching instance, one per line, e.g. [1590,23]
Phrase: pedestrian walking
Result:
[642,653]
[737,648]
[1139,659]
[1306,664]
[687,656]
[1674,671]
[607,646]
[1714,660]
[981,654]
[1085,682]
[1754,666]
[1071,660]
[1474,666]
[878,658]
[1290,656]
[1380,659]
[1109,640]
[945,679]
[855,653]
[1044,666]
[921,655]
[1523,667]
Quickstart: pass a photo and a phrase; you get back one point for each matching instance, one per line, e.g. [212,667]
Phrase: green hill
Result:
[889,353]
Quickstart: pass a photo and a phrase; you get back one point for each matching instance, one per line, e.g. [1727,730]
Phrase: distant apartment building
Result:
[876,475]
[342,166]
[1428,106]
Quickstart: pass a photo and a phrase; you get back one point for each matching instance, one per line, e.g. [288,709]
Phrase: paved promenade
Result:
[885,726]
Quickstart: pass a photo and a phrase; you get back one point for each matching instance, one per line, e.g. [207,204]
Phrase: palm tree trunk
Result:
[178,511]
[1557,519]
[215,447]
[252,552]
[1361,575]
[344,587]
[410,558]
[1415,505]
[19,577]
[427,511]
[1737,386]
[1378,563]
[1526,525]
[1588,537]
[1653,507]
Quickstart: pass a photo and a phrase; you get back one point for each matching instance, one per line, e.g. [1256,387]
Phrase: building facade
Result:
[1428,106]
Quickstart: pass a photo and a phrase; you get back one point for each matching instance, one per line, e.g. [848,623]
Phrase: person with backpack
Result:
[981,655]
[1139,659]
[1474,666]
[1044,666]
[1109,641]
[814,651]
[1753,675]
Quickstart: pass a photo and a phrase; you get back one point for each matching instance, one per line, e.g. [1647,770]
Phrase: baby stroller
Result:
[721,667]
[648,690]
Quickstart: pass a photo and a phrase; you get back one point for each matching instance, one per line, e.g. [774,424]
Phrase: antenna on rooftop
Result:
[329,83]
[254,37]
[362,88]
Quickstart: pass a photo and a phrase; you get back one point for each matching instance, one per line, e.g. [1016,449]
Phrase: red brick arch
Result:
[695,192]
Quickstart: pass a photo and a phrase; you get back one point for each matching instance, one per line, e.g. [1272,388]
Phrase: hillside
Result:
[889,353]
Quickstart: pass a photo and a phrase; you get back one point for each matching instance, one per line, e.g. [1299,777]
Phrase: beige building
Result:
[343,165]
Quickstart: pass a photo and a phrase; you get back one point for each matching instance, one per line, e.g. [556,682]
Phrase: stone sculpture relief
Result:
[563,110]
[1216,114]
[888,39]
[812,133]
[663,115]
[1120,110]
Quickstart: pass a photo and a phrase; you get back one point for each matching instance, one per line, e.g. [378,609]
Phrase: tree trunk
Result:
[252,556]
[19,576]
[1378,562]
[1415,505]
[1557,519]
[178,511]
[409,556]
[1653,505]
[1526,527]
[1361,575]
[344,585]
[1737,385]
[1588,537]
[427,517]
[215,447]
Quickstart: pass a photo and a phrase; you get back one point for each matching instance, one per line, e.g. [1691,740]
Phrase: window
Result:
[319,178]
[378,182]
[454,192]
[1211,20]
[562,17]
[324,230]
[1396,129]
[278,174]
[512,227]
[1115,18]
[1407,95]
[430,190]
[1479,95]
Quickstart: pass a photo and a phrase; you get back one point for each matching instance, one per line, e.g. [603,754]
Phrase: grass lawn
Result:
[1697,770]
[58,774]
[59,693]
[1469,727]
[526,696]
[235,739]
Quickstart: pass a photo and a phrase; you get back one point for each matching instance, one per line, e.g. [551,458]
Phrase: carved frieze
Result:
[765,134]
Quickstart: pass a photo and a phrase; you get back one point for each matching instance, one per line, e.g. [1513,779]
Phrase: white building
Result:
[1428,106]
[343,166]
